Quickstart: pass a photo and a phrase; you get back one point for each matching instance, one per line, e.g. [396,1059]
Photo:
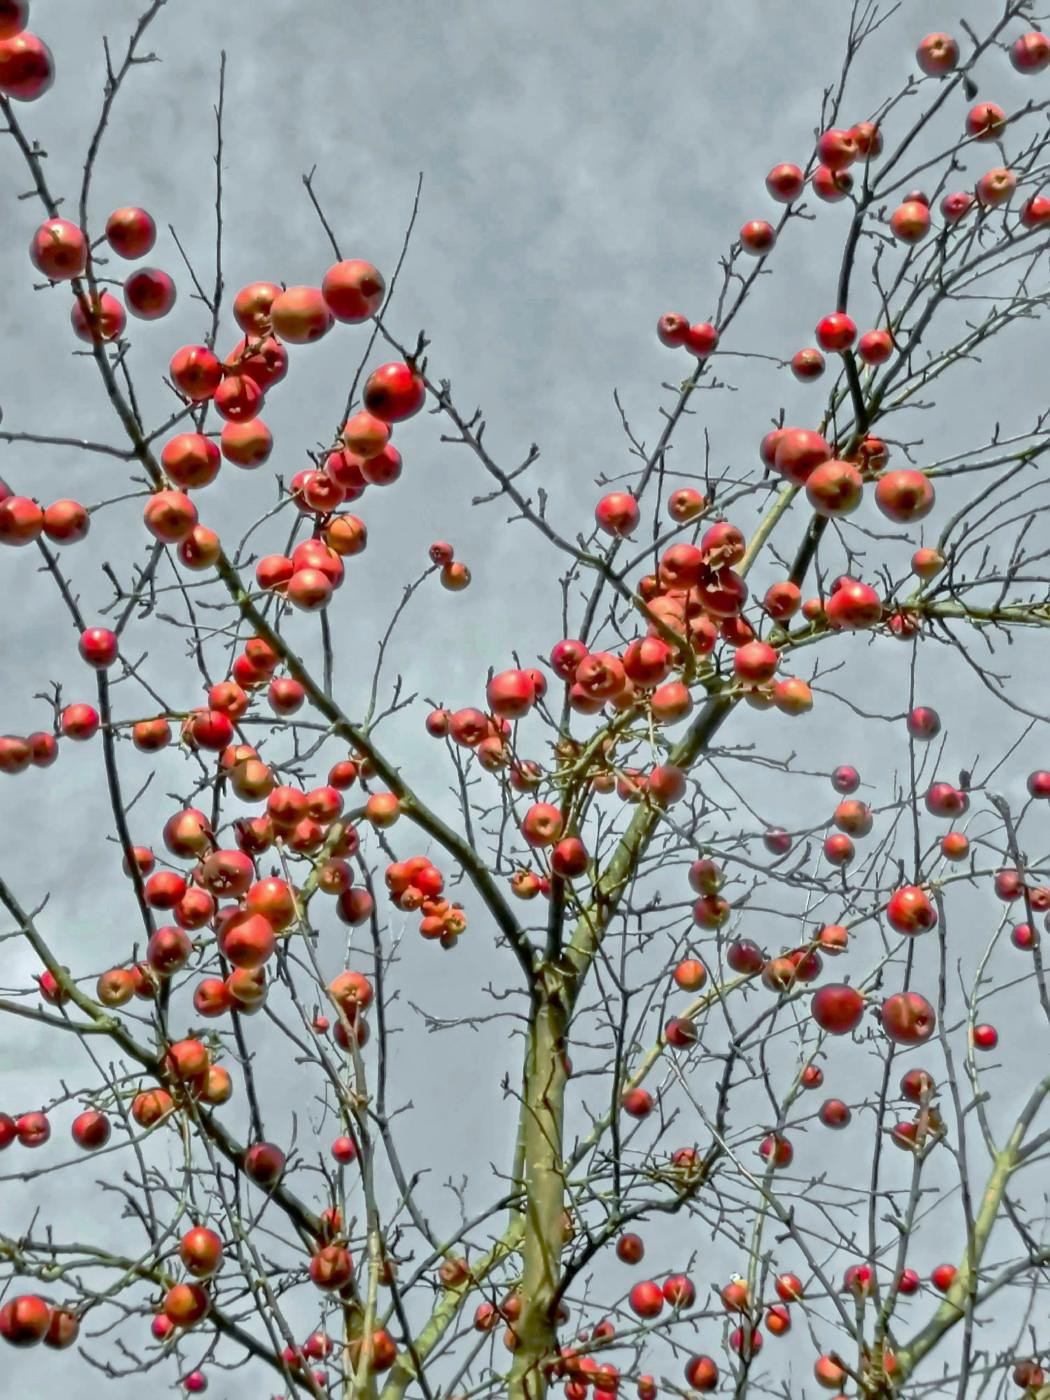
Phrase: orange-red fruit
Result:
[701,1373]
[246,444]
[904,495]
[701,339]
[995,187]
[32,1129]
[646,1299]
[187,1060]
[785,183]
[837,1008]
[394,392]
[265,360]
[985,1037]
[331,1267]
[309,590]
[24,1320]
[911,910]
[201,548]
[168,950]
[62,1330]
[778,1320]
[910,221]
[542,824]
[14,16]
[617,513]
[91,1130]
[353,290]
[690,975]
[186,1304]
[942,1277]
[908,1018]
[647,661]
[837,149]
[638,1103]
[346,534]
[264,1163]
[382,468]
[789,1287]
[66,522]
[238,398]
[831,185]
[672,329]
[97,319]
[1036,211]
[836,331]
[196,372]
[666,784]
[365,435]
[569,858]
[382,809]
[853,605]
[43,749]
[798,453]
[1031,52]
[868,138]
[955,206]
[200,1249]
[149,293]
[79,721]
[27,69]
[875,347]
[218,1086]
[248,940]
[757,237]
[829,1373]
[21,521]
[985,121]
[755,662]
[807,364]
[300,315]
[937,54]
[835,488]
[792,696]
[190,460]
[251,307]
[510,694]
[59,250]
[684,504]
[777,1150]
[131,232]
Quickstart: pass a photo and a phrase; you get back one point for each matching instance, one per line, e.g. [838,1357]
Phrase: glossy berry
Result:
[836,331]
[394,392]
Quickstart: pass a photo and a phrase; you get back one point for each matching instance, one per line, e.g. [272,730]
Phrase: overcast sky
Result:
[584,166]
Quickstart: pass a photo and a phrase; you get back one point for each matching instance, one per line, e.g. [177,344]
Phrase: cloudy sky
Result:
[584,167]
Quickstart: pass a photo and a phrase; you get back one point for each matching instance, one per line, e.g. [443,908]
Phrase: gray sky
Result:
[583,168]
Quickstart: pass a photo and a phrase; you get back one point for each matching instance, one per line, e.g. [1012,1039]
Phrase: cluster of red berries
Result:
[29,1319]
[416,883]
[698,596]
[487,735]
[261,909]
[455,576]
[351,994]
[90,1130]
[22,521]
[28,1129]
[270,317]
[59,249]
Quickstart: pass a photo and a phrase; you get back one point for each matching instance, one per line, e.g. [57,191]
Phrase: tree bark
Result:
[543,1115]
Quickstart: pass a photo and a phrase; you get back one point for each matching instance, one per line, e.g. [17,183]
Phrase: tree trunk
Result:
[543,1112]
